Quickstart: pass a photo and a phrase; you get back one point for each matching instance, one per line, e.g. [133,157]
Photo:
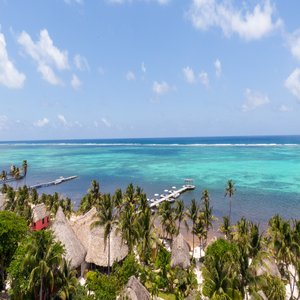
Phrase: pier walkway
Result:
[174,194]
[54,182]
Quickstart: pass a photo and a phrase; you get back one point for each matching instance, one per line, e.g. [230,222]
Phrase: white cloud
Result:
[130,76]
[254,100]
[292,83]
[62,120]
[101,71]
[160,2]
[143,68]
[294,43]
[74,1]
[45,54]
[48,74]
[249,25]
[204,79]
[106,122]
[81,63]
[4,122]
[161,88]
[218,67]
[75,82]
[41,123]
[284,108]
[9,75]
[189,74]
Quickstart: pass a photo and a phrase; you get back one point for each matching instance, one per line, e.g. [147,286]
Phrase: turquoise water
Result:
[266,170]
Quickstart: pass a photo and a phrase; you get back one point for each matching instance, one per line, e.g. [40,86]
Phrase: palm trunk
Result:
[229,209]
[193,240]
[108,254]
[41,289]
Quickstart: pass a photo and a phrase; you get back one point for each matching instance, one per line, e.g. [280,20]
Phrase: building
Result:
[40,217]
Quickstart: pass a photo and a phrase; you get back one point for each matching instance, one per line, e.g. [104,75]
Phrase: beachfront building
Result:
[92,239]
[180,255]
[74,250]
[40,217]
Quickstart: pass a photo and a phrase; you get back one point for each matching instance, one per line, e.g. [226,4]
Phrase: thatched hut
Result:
[180,255]
[134,290]
[2,201]
[94,243]
[63,232]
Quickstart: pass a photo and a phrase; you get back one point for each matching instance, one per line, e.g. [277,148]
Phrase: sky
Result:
[72,69]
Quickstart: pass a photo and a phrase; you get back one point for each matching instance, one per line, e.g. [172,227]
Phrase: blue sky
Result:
[148,68]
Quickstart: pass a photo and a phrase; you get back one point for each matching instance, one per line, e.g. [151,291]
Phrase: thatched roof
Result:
[39,212]
[134,290]
[63,232]
[180,253]
[94,243]
[268,266]
[2,201]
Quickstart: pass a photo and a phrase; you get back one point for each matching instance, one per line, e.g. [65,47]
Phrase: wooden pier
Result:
[174,194]
[54,182]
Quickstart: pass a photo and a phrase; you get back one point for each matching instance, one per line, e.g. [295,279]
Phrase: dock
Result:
[174,194]
[54,182]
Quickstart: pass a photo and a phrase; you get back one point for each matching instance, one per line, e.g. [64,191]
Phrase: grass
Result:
[166,296]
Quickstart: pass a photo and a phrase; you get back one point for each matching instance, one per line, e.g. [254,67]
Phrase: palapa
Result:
[63,232]
[180,255]
[39,212]
[2,201]
[94,243]
[134,290]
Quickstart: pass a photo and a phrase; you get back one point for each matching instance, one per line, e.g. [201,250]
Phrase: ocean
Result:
[265,169]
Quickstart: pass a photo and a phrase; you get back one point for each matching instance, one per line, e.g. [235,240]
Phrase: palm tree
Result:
[229,191]
[180,213]
[106,218]
[167,219]
[192,214]
[220,271]
[24,168]
[199,229]
[128,225]
[67,281]
[206,211]
[225,228]
[3,175]
[43,258]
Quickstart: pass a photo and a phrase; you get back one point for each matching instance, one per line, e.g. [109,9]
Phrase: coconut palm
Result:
[43,258]
[67,281]
[192,214]
[220,271]
[206,211]
[167,219]
[3,175]
[225,228]
[230,191]
[199,229]
[179,211]
[106,219]
[128,225]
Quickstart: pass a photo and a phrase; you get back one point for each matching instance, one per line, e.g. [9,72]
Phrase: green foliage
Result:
[12,230]
[220,271]
[105,287]
[39,270]
[128,268]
